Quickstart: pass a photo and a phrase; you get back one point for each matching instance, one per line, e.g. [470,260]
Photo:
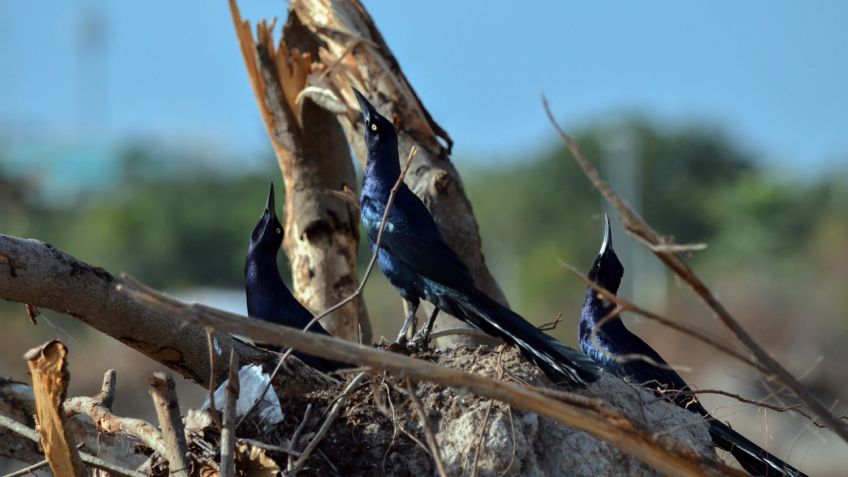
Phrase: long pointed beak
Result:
[270,206]
[607,243]
[364,105]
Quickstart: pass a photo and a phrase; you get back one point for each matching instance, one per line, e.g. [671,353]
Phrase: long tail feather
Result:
[754,459]
[561,363]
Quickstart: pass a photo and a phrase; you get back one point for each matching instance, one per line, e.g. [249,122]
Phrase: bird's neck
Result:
[262,277]
[381,173]
[596,311]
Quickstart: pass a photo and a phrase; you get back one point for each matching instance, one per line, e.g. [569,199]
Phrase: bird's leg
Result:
[411,308]
[422,338]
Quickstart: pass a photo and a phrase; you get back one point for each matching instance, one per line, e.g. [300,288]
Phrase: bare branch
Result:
[89,459]
[213,410]
[228,434]
[634,223]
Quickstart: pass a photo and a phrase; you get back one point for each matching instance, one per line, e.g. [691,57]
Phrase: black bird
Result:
[613,339]
[268,298]
[420,264]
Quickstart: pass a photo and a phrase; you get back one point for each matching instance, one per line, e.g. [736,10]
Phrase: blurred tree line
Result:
[191,229]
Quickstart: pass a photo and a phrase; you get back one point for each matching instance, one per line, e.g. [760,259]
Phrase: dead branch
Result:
[636,225]
[210,345]
[50,279]
[228,433]
[321,231]
[18,402]
[114,425]
[48,366]
[89,459]
[170,422]
[663,454]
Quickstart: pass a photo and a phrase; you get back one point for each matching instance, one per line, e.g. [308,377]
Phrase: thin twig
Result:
[635,224]
[551,325]
[328,421]
[269,447]
[228,434]
[428,433]
[459,331]
[296,436]
[106,396]
[89,459]
[212,409]
[359,289]
[29,469]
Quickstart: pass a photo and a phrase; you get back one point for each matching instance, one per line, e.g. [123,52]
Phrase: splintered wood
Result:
[321,229]
[48,366]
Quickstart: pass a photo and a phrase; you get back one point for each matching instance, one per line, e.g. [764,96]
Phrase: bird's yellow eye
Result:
[373,127]
[279,231]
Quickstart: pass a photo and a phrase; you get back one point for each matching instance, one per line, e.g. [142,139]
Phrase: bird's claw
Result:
[420,341]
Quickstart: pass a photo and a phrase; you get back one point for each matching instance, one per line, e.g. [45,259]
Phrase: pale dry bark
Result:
[48,365]
[345,49]
[228,433]
[321,229]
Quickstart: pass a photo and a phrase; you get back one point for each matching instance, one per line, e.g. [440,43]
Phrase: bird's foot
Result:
[420,341]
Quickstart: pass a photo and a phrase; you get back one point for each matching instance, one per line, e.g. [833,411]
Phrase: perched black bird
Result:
[419,263]
[645,366]
[268,298]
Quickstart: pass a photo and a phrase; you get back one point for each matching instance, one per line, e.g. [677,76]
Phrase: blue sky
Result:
[772,74]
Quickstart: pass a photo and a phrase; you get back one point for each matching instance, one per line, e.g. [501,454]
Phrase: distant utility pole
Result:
[92,69]
[645,278]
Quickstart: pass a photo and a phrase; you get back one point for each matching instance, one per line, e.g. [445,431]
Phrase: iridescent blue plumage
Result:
[421,265]
[268,297]
[638,362]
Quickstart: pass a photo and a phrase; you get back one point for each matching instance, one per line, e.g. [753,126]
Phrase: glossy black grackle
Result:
[641,364]
[268,298]
[420,264]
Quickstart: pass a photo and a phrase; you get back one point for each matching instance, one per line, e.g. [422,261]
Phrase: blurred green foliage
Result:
[191,228]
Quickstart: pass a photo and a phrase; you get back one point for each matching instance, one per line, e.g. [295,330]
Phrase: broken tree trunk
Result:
[346,49]
[321,228]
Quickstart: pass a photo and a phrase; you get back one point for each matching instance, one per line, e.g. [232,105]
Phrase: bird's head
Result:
[380,133]
[268,233]
[607,270]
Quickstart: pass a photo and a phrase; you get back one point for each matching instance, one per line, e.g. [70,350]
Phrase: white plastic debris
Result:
[252,380]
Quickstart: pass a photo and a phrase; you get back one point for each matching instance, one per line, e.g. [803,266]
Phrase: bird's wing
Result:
[412,236]
[647,367]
